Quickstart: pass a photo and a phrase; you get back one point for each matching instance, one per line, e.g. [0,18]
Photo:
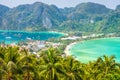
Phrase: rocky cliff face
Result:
[37,14]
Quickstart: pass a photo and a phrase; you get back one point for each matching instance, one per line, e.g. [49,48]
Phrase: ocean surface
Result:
[15,36]
[90,50]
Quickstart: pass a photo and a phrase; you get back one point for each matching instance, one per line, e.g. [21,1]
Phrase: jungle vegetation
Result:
[19,64]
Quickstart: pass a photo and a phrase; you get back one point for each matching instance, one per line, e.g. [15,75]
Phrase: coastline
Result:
[58,32]
[9,39]
[34,31]
[68,47]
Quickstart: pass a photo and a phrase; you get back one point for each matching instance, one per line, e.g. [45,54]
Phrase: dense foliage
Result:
[18,64]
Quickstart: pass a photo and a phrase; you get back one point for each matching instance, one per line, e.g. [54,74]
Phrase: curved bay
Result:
[90,50]
[16,36]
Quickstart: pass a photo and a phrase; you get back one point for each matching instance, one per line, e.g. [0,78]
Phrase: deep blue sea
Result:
[16,36]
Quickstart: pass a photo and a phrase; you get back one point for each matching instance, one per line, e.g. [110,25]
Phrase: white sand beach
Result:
[68,48]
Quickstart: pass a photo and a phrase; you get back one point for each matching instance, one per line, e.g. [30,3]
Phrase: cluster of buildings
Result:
[36,45]
[81,37]
[33,46]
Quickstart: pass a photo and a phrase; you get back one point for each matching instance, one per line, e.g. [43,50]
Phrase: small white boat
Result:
[28,38]
[8,37]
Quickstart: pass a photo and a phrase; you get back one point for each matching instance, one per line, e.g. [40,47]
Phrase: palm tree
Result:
[110,66]
[27,63]
[51,67]
[73,68]
[9,56]
[104,68]
[11,70]
[2,66]
[12,54]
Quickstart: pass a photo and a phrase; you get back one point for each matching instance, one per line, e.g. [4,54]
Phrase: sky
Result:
[60,3]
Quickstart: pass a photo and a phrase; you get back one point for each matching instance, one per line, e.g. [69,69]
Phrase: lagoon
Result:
[16,36]
[90,50]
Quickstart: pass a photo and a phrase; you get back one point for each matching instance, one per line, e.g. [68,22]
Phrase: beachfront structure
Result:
[71,38]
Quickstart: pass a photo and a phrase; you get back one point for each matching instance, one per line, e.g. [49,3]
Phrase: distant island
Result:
[85,17]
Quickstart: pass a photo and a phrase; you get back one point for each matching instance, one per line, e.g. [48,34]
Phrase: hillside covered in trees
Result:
[90,17]
[18,64]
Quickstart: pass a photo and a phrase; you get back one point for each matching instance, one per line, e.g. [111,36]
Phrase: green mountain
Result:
[3,11]
[91,8]
[118,8]
[38,16]
[86,17]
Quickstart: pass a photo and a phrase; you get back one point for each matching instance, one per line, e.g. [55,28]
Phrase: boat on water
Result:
[8,37]
[28,38]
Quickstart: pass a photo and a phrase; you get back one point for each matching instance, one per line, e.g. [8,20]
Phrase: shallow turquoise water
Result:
[92,49]
[16,36]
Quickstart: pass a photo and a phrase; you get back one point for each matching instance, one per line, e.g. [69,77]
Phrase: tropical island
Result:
[43,42]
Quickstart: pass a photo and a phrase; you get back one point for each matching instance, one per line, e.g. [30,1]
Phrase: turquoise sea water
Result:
[92,49]
[16,36]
